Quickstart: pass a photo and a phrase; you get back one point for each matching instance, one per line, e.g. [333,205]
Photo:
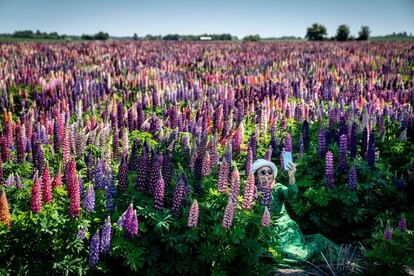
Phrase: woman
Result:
[291,243]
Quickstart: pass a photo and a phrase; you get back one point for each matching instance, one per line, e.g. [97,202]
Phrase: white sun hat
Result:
[263,162]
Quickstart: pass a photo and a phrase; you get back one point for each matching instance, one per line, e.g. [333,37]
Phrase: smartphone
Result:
[287,159]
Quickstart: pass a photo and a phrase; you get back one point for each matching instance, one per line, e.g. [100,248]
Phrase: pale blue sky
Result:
[264,17]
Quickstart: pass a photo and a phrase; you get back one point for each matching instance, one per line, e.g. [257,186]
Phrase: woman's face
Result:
[265,175]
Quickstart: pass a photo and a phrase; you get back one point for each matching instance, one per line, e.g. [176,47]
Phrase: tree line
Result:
[317,32]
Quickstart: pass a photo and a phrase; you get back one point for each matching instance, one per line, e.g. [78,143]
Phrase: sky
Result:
[237,17]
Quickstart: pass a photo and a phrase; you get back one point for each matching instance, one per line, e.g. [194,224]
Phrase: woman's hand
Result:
[292,172]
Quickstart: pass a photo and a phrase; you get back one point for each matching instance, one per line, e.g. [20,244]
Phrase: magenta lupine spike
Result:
[352,178]
[74,209]
[206,165]
[343,146]
[268,154]
[266,218]
[1,170]
[5,152]
[249,193]
[47,196]
[36,202]
[135,225]
[329,171]
[71,176]
[128,221]
[388,232]
[402,224]
[57,180]
[193,215]
[223,176]
[228,216]
[159,192]
[178,197]
[235,185]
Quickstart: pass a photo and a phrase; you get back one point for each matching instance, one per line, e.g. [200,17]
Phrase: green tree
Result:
[342,34]
[252,38]
[364,33]
[135,37]
[316,32]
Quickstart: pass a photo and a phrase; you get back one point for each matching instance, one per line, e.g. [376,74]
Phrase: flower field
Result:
[136,156]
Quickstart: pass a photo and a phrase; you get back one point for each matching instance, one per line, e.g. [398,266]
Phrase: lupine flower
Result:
[142,169]
[10,180]
[301,146]
[1,170]
[99,175]
[364,142]
[253,144]
[36,202]
[89,202]
[206,165]
[110,191]
[249,193]
[159,192]
[133,158]
[81,234]
[115,144]
[19,183]
[266,218]
[402,224]
[305,133]
[193,215]
[121,219]
[371,150]
[227,221]
[268,154]
[167,168]
[388,232]
[105,243]
[234,184]
[321,142]
[128,222]
[342,153]
[123,175]
[4,209]
[223,175]
[288,143]
[266,191]
[47,196]
[249,160]
[75,199]
[57,180]
[155,170]
[134,225]
[178,197]
[352,179]
[94,249]
[329,172]
[20,143]
[354,140]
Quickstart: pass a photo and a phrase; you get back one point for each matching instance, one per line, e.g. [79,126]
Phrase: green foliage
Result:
[364,33]
[316,32]
[342,34]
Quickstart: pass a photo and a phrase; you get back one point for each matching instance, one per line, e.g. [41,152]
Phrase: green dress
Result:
[294,247]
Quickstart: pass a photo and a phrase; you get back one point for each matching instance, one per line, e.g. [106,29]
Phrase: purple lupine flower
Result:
[288,143]
[121,219]
[253,144]
[301,146]
[227,221]
[193,215]
[19,183]
[388,232]
[273,140]
[228,155]
[89,201]
[234,185]
[353,142]
[81,234]
[10,180]
[352,178]
[134,225]
[249,160]
[329,171]
[94,250]
[142,169]
[159,192]
[305,133]
[266,194]
[266,218]
[133,158]
[106,236]
[89,164]
[402,224]
[249,192]
[268,154]
[115,144]
[123,175]
[178,197]
[206,165]
[371,150]
[127,221]
[155,170]
[342,153]
[364,142]
[110,191]
[167,168]
[99,176]
[20,143]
